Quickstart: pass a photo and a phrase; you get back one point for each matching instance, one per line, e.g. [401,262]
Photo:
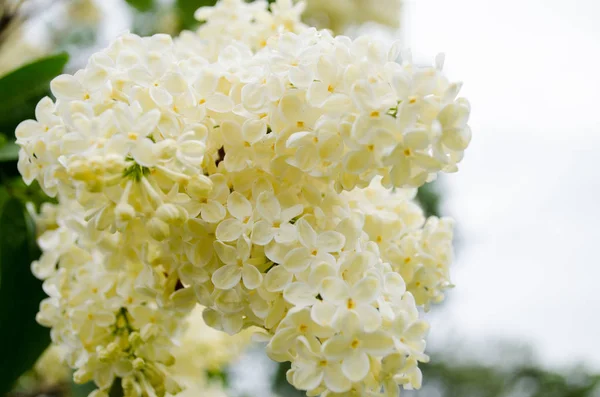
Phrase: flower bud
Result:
[169,213]
[82,376]
[158,229]
[138,364]
[199,186]
[124,212]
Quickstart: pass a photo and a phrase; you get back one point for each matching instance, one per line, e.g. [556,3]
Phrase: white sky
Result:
[526,195]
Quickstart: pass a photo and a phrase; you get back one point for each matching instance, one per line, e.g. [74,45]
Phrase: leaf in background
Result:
[186,9]
[23,340]
[428,196]
[81,390]
[141,5]
[9,152]
[21,89]
[280,384]
[217,375]
[117,389]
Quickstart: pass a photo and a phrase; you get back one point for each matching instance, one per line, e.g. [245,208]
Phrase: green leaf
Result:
[186,9]
[141,5]
[219,376]
[21,89]
[23,340]
[428,196]
[81,390]
[9,152]
[116,389]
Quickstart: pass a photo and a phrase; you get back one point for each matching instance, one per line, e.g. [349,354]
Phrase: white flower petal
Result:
[300,76]
[317,93]
[277,279]
[285,234]
[307,377]
[369,316]
[306,234]
[67,86]
[227,277]
[335,379]
[337,347]
[254,130]
[143,154]
[268,206]
[297,260]
[251,276]
[366,290]
[330,241]
[226,253]
[213,211]
[322,313]
[282,340]
[356,367]
[262,232]
[300,294]
[377,343]
[160,96]
[239,206]
[229,230]
[219,103]
[334,290]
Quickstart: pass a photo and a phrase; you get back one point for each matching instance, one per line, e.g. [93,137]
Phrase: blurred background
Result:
[523,319]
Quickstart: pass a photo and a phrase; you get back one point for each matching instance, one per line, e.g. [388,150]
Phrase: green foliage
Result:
[450,379]
[117,389]
[280,384]
[20,293]
[141,5]
[78,37]
[81,390]
[186,9]
[9,151]
[21,89]
[218,376]
[428,196]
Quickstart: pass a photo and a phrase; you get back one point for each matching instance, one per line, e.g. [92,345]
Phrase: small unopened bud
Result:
[166,149]
[135,339]
[168,213]
[109,352]
[103,354]
[199,186]
[169,360]
[158,229]
[138,364]
[149,331]
[124,212]
[103,219]
[128,385]
[172,386]
[82,376]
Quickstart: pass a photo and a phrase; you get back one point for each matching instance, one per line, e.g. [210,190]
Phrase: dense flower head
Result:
[260,168]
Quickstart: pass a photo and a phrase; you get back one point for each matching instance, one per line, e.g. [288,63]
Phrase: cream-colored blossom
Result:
[260,168]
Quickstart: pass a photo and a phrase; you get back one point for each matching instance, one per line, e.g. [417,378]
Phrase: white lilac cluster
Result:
[271,184]
[107,321]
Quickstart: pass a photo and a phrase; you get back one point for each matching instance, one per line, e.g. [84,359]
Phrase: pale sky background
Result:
[526,195]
